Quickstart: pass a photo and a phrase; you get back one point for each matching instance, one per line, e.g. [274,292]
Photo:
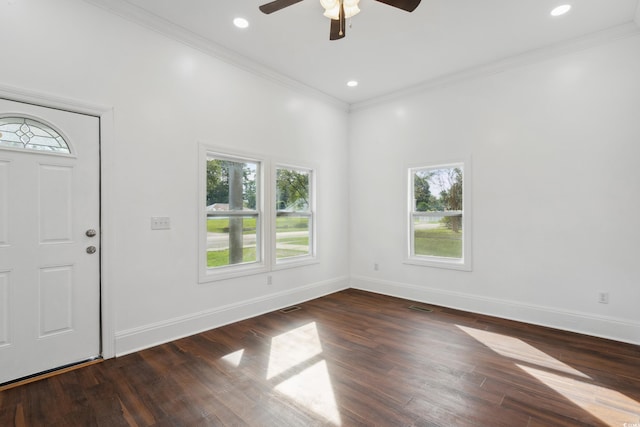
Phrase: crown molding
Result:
[175,32]
[49,100]
[629,29]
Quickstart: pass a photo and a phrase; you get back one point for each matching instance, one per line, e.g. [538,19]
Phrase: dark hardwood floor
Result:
[349,359]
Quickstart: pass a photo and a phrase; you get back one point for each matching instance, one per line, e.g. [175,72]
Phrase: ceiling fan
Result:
[338,11]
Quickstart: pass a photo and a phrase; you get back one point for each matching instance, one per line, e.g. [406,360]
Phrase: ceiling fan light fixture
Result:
[329,4]
[332,8]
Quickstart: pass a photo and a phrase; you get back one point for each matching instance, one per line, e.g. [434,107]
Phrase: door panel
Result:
[55,300]
[49,284]
[55,193]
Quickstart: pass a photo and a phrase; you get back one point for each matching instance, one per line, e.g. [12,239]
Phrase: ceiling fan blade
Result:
[408,5]
[335,33]
[338,26]
[276,5]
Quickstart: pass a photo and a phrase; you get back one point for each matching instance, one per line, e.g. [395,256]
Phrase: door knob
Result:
[91,232]
[91,249]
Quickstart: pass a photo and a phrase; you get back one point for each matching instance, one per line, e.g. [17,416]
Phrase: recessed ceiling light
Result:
[561,10]
[240,22]
[352,83]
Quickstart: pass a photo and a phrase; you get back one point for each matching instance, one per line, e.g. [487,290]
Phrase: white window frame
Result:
[463,263]
[301,260]
[205,273]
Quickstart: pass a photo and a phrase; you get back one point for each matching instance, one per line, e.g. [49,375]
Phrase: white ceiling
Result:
[386,49]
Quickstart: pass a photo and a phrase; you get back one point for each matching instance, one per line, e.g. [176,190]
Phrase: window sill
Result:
[295,262]
[439,263]
[231,272]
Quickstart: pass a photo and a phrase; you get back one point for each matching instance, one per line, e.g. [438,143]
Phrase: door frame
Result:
[106,143]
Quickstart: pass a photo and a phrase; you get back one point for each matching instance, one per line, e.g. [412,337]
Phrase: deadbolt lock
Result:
[91,232]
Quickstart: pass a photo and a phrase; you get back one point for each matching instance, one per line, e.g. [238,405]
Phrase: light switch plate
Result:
[160,223]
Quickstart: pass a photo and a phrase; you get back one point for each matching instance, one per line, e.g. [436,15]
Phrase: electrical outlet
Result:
[376,266]
[269,280]
[603,297]
[160,223]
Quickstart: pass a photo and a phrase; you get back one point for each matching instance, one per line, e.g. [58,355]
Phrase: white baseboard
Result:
[583,323]
[136,339]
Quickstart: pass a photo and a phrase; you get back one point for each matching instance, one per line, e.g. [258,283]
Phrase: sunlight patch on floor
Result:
[299,372]
[610,406]
[296,357]
[312,389]
[293,348]
[234,358]
[517,349]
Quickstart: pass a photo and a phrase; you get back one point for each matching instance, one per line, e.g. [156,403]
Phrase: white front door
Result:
[49,258]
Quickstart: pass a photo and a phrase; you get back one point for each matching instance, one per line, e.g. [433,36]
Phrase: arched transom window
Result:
[29,134]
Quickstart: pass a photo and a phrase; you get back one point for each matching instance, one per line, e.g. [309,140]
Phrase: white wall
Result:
[555,182]
[167,98]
